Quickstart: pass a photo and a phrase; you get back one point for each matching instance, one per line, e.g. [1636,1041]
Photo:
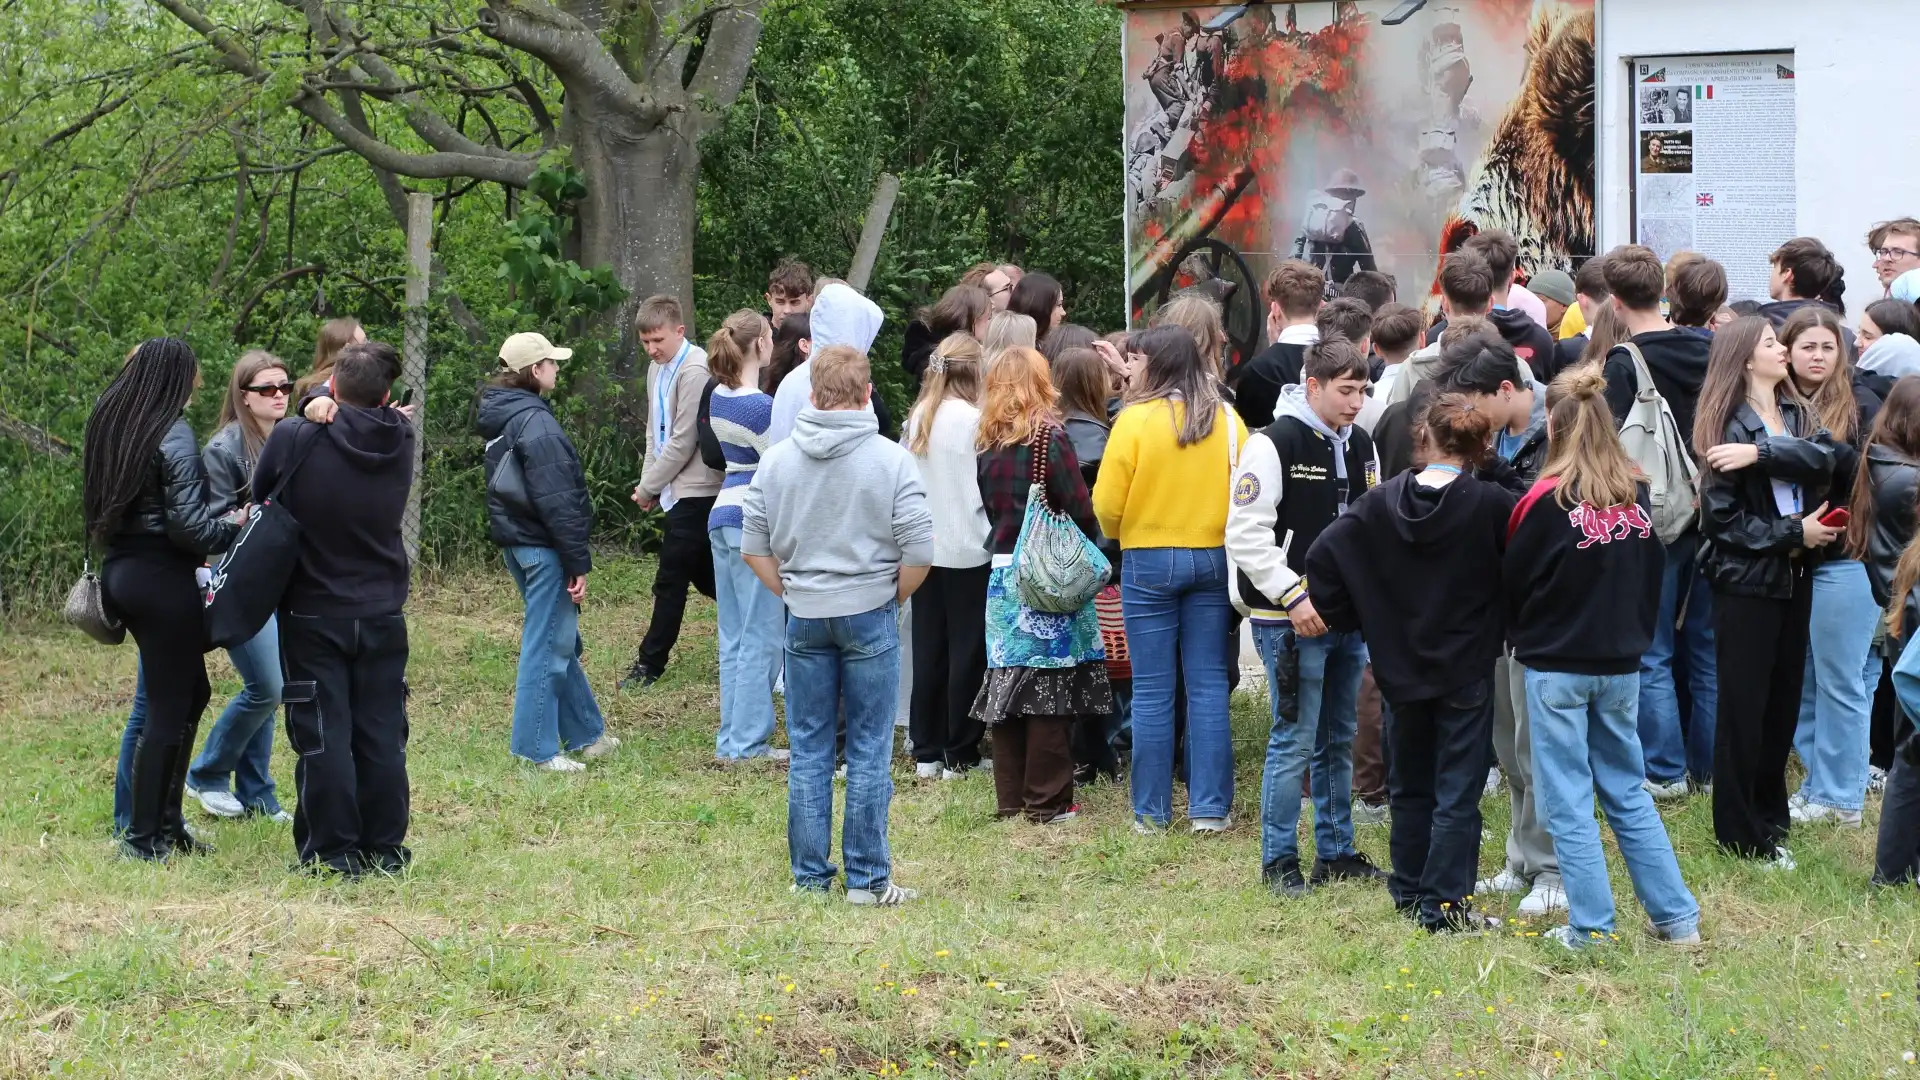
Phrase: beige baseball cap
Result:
[522,351]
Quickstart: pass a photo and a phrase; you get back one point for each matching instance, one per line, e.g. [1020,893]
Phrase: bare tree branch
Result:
[575,54]
[514,170]
[38,439]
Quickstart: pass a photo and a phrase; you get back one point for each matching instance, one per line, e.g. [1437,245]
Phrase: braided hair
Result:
[126,426]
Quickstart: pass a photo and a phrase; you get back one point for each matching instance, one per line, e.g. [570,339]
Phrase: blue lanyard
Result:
[663,392]
[1454,469]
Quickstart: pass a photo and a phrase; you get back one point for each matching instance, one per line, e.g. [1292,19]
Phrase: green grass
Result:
[634,921]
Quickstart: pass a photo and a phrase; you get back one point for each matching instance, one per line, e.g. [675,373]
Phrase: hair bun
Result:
[1589,384]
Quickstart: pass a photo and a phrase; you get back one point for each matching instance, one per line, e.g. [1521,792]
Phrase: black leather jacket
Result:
[229,469]
[1752,549]
[174,503]
[1895,482]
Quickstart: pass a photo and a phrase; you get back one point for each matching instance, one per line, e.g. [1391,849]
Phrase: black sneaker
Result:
[1354,867]
[1284,878]
[640,676]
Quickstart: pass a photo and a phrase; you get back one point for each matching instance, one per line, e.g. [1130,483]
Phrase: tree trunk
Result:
[638,216]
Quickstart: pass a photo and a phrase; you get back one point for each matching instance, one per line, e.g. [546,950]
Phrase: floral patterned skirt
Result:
[1040,663]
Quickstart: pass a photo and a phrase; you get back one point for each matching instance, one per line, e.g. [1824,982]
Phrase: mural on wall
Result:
[1359,135]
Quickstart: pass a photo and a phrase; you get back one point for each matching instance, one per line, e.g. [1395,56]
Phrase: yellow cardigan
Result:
[1155,493]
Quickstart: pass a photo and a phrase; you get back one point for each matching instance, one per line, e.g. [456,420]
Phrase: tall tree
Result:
[640,80]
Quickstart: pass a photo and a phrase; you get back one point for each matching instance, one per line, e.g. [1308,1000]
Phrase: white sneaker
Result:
[891,896]
[1544,897]
[1212,824]
[1566,937]
[1365,813]
[1666,792]
[561,763]
[1506,881]
[985,767]
[220,804]
[600,747]
[1493,783]
[1876,779]
[1147,828]
[1810,811]
[1690,936]
[1782,860]
[780,753]
[928,770]
[280,817]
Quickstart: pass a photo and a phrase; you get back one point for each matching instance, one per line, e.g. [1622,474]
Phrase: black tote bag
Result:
[251,578]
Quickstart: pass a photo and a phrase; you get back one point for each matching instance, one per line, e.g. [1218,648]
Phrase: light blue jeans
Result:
[853,659]
[752,622]
[1672,753]
[240,746]
[1586,746]
[553,706]
[1836,696]
[1174,601]
[1313,684]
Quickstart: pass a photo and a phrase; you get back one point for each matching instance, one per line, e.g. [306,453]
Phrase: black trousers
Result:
[686,558]
[1437,752]
[1896,857]
[1761,648]
[949,664]
[1033,766]
[346,705]
[152,591]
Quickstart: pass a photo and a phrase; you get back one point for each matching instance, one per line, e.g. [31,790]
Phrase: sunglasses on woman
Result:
[271,389]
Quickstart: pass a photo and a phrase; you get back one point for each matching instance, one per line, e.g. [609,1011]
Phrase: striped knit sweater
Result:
[740,421]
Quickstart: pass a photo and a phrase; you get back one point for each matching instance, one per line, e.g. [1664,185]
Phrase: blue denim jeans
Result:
[1586,745]
[1672,755]
[1313,684]
[123,770]
[855,659]
[240,745]
[752,623]
[553,706]
[1836,694]
[1174,601]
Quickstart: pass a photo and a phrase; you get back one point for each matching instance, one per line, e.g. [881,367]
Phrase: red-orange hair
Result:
[1019,398]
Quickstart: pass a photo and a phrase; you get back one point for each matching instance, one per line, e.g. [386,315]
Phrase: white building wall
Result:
[1858,159]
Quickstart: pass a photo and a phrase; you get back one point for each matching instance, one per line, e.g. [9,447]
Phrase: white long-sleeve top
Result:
[1251,546]
[950,471]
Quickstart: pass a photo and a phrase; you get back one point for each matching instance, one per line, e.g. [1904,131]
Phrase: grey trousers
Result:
[1529,845]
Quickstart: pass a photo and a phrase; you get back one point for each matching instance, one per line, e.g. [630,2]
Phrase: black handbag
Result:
[506,480]
[710,452]
[252,577]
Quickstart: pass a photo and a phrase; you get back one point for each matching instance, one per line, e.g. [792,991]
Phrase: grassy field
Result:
[634,921]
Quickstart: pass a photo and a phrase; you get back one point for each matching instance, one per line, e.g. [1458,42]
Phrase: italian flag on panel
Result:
[1703,92]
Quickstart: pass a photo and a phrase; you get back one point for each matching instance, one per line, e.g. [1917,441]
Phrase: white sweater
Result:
[950,471]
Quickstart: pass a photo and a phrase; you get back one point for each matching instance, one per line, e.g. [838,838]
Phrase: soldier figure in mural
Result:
[1441,176]
[1331,236]
[1186,69]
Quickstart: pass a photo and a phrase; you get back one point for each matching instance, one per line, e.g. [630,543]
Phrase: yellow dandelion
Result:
[993,986]
[1029,1057]
[789,988]
[953,1053]
[1403,1018]
[1886,995]
[1437,993]
[826,1051]
[889,985]
[910,992]
[1489,1010]
[1603,1042]
[942,952]
[1557,1055]
[982,1042]
[1406,971]
[1002,1044]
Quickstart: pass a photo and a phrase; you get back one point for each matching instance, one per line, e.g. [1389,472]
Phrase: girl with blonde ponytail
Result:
[950,610]
[1581,576]
[752,619]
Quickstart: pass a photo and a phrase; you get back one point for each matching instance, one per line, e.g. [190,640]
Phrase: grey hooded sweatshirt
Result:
[842,509]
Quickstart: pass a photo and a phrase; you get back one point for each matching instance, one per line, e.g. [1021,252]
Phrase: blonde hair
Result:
[233,407]
[840,377]
[656,313]
[730,349]
[1007,330]
[335,334]
[1018,400]
[1583,448]
[1199,316]
[953,371]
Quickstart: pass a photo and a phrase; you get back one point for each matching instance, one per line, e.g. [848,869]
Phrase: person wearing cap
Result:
[1554,288]
[1332,237]
[539,513]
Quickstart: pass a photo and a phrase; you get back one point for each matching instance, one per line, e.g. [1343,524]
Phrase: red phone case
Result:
[1837,518]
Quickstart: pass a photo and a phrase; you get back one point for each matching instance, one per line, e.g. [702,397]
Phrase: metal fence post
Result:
[413,357]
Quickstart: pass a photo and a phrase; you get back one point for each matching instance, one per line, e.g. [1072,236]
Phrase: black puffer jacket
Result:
[1753,549]
[229,469]
[561,516]
[1895,482]
[174,501]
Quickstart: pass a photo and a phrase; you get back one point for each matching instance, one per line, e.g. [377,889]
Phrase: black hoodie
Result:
[348,495]
[1417,571]
[1582,584]
[1677,360]
[1531,342]
[558,514]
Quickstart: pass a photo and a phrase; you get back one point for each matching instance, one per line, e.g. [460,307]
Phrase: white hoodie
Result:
[840,316]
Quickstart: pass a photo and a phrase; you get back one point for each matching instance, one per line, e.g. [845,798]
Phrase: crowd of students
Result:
[1583,528]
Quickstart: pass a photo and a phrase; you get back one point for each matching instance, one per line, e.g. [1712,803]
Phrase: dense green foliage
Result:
[201,206]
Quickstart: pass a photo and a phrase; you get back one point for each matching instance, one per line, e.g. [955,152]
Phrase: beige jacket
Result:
[677,462]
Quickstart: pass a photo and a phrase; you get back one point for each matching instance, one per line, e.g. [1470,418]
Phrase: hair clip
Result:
[937,364]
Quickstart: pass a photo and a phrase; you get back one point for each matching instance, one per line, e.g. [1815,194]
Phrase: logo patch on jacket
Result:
[1307,472]
[1372,473]
[1605,526]
[1246,490]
